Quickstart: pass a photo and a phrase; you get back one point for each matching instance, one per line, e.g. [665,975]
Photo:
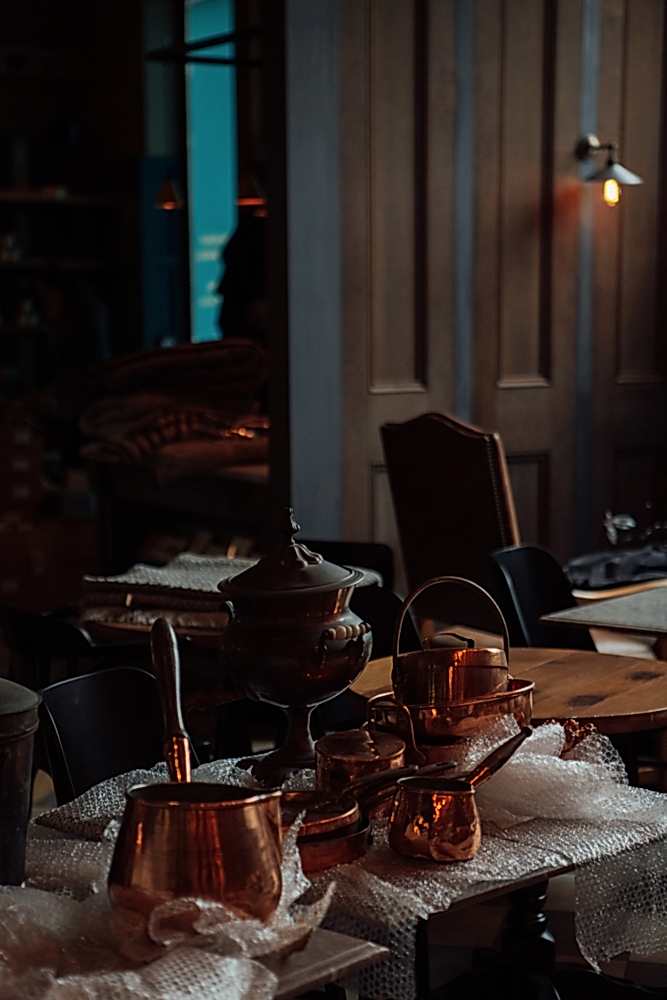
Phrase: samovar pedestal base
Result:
[296,754]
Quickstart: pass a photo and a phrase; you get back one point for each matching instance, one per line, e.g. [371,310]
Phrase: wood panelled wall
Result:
[480,276]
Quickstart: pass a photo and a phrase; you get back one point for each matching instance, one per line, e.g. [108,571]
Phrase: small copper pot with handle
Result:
[194,838]
[437,819]
[347,756]
[447,675]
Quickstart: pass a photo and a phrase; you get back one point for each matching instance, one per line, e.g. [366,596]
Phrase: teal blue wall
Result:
[211,96]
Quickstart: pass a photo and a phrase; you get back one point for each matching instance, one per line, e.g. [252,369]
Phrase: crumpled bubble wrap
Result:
[539,812]
[62,948]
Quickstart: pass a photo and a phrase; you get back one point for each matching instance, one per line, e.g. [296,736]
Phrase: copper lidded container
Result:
[447,675]
[345,757]
[292,640]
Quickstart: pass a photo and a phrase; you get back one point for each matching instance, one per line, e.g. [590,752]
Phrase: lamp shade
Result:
[168,197]
[613,171]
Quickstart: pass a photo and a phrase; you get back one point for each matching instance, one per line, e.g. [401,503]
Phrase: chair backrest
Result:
[453,502]
[531,583]
[99,725]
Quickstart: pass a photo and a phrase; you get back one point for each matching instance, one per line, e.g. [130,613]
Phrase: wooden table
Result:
[620,694]
[327,957]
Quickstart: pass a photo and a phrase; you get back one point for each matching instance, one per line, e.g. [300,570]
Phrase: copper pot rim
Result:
[340,812]
[516,686]
[234,795]
[447,657]
[393,749]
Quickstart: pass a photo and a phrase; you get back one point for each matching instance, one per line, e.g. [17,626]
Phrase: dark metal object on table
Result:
[293,640]
[166,665]
[449,675]
[194,839]
[437,818]
[18,724]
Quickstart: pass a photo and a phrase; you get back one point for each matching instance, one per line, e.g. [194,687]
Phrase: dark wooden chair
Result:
[97,726]
[453,504]
[529,583]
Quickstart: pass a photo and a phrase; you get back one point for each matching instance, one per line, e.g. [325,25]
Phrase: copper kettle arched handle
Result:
[457,581]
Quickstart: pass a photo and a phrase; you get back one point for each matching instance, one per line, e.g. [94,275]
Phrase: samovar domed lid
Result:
[290,568]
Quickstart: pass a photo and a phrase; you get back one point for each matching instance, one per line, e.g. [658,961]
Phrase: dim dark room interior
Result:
[333,523]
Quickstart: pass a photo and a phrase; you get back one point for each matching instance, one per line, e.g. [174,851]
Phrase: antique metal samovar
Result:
[292,640]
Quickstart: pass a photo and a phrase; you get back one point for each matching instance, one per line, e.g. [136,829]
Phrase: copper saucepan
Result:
[437,818]
[184,838]
[337,828]
[447,675]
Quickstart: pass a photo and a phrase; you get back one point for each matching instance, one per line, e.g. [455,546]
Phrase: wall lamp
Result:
[169,198]
[613,175]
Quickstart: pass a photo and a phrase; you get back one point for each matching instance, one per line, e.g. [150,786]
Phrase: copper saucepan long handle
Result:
[166,665]
[495,760]
[376,788]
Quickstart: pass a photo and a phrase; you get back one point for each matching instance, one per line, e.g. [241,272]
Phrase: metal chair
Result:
[529,583]
[97,726]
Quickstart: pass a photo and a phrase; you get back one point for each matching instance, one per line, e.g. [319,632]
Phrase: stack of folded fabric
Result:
[185,592]
[189,409]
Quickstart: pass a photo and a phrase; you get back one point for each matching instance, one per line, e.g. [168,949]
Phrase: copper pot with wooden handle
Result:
[194,838]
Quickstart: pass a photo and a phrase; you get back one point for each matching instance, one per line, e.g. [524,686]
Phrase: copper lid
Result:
[360,745]
[290,568]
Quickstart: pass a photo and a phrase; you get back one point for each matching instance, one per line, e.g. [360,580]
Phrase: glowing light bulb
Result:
[611,192]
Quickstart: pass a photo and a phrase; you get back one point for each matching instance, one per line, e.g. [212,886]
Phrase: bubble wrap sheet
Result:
[550,807]
[541,812]
[60,939]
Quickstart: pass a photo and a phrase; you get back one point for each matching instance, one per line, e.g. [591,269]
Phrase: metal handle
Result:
[411,741]
[495,760]
[458,581]
[166,665]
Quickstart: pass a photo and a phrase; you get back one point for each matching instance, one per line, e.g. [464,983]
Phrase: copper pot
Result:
[198,839]
[437,818]
[293,640]
[344,757]
[447,675]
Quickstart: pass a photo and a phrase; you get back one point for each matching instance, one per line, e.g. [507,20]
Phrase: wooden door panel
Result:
[399,89]
[527,251]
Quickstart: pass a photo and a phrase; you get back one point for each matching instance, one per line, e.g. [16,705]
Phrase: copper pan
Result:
[449,675]
[433,724]
[338,846]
